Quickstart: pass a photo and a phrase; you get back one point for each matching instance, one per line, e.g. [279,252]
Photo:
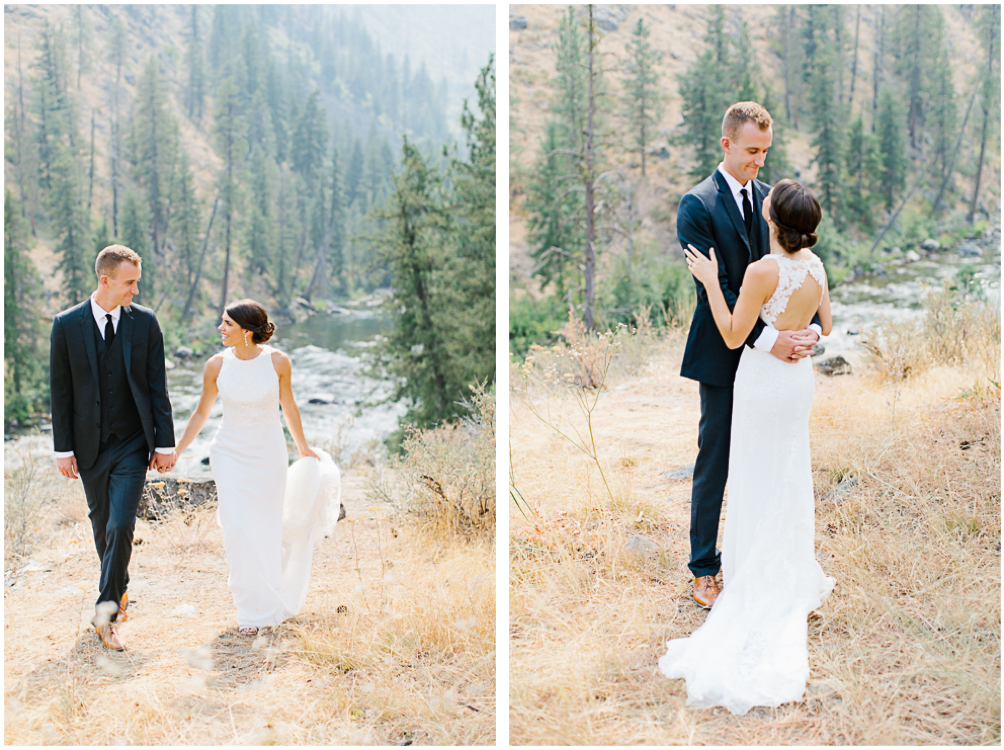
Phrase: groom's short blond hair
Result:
[742,112]
[111,258]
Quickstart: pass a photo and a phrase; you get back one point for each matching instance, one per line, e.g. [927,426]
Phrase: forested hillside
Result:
[241,150]
[891,114]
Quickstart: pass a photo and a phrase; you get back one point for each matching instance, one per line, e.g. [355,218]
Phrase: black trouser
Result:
[113,487]
[711,470]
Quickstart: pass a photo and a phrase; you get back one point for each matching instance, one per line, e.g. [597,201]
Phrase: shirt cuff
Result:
[767,338]
[167,451]
[62,454]
[818,329]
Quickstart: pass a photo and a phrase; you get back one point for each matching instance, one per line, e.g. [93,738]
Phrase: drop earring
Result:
[246,339]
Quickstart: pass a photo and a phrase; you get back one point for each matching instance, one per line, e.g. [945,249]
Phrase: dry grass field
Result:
[396,643]
[906,650]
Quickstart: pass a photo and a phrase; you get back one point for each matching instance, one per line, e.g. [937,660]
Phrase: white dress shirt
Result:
[768,336]
[99,314]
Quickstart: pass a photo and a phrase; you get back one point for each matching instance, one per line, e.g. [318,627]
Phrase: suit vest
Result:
[118,408]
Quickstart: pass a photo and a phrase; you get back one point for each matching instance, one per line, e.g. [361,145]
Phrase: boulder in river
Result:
[930,245]
[970,250]
[912,255]
[183,352]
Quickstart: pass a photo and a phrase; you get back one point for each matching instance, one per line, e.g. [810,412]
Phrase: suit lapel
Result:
[733,211]
[125,330]
[87,333]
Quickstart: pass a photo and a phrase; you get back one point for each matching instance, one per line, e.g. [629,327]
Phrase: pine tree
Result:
[195,92]
[570,100]
[916,38]
[231,144]
[24,380]
[410,246]
[310,140]
[70,219]
[353,177]
[943,115]
[822,60]
[892,146]
[989,27]
[862,169]
[645,99]
[154,148]
[472,269]
[554,207]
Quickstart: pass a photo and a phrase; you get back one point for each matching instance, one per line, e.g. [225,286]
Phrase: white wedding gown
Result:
[752,648]
[269,525]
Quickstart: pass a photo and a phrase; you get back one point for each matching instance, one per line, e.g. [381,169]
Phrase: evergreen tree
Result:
[862,167]
[310,140]
[916,38]
[186,223]
[354,175]
[822,60]
[570,101]
[53,109]
[195,92]
[410,245]
[24,380]
[892,146]
[989,27]
[230,132]
[154,148]
[71,223]
[645,99]
[943,115]
[472,291]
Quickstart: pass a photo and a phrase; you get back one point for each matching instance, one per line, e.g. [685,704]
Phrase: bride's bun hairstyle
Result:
[251,316]
[796,214]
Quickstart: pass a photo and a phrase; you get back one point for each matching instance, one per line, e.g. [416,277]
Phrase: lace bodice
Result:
[249,390]
[791,275]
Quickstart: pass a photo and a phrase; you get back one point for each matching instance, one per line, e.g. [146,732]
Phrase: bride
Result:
[269,560]
[752,649]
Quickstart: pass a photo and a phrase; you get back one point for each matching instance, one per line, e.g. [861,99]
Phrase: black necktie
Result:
[747,213]
[109,329]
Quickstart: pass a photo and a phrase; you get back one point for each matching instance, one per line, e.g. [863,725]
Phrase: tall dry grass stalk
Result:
[905,651]
[446,480]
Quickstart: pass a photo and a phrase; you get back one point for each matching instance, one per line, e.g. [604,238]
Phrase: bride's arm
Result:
[290,411]
[825,318]
[733,326]
[209,391]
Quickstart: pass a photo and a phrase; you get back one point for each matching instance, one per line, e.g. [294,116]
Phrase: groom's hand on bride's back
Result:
[792,346]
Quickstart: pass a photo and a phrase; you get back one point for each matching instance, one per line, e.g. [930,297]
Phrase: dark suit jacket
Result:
[709,217]
[73,375]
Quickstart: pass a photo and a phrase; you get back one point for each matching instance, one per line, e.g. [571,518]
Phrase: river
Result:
[897,292]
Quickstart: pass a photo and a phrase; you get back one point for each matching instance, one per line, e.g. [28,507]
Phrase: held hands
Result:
[792,346]
[163,462]
[703,268]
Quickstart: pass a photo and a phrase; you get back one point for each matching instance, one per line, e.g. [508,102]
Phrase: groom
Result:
[111,417]
[723,212]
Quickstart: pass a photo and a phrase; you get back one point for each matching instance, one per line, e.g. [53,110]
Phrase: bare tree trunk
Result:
[198,270]
[590,266]
[854,64]
[986,120]
[879,43]
[90,189]
[951,165]
[20,98]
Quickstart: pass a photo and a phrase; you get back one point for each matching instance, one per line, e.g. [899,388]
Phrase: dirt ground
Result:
[904,651]
[188,677]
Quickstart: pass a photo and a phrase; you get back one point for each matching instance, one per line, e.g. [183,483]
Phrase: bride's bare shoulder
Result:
[280,361]
[214,364]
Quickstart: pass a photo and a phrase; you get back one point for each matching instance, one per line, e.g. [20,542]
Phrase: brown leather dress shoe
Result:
[110,637]
[705,591]
[122,615]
